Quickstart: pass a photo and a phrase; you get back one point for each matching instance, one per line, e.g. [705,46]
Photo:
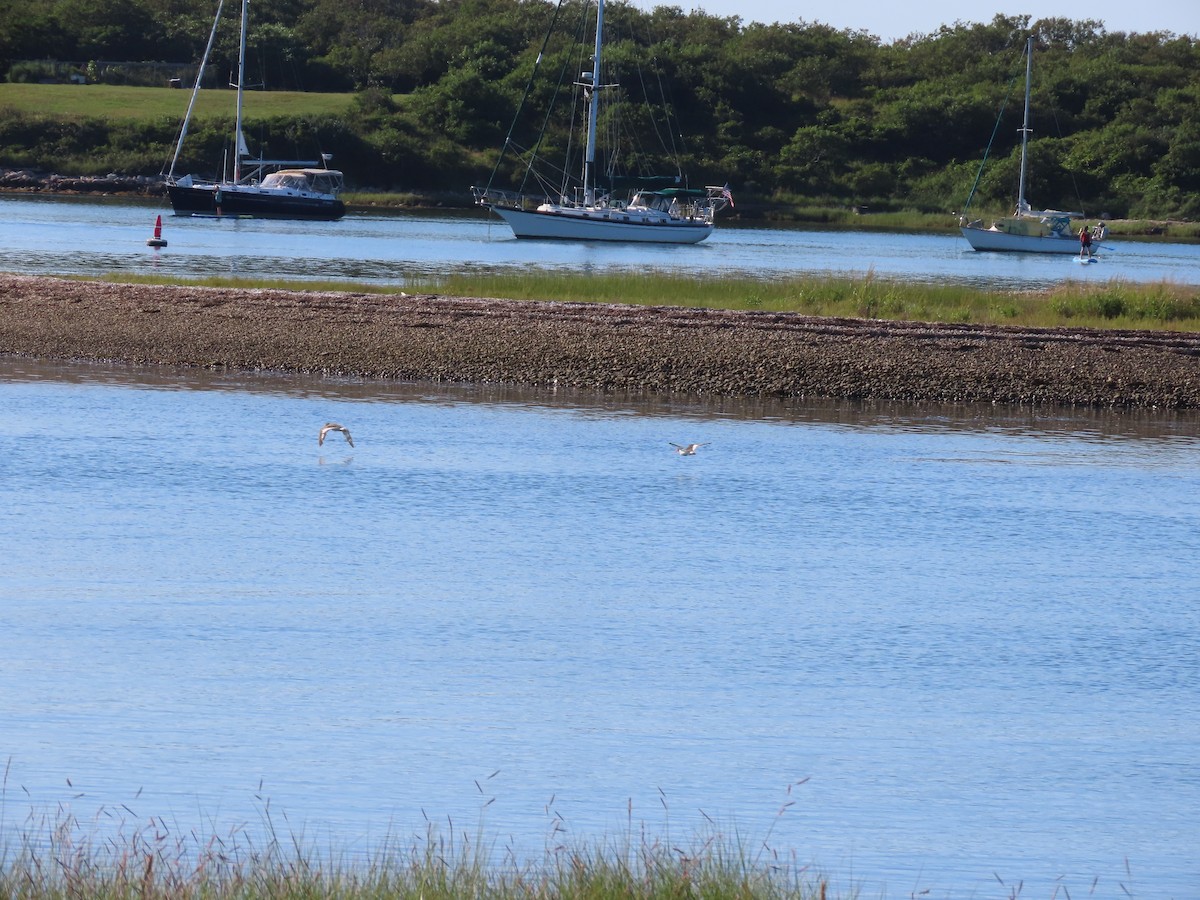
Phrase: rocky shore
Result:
[33,181]
[594,346]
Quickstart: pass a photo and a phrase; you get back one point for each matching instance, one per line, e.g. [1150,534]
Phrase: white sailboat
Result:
[589,209]
[270,188]
[1028,230]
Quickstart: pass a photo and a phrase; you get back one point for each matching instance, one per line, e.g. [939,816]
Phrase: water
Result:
[919,649]
[962,642]
[96,236]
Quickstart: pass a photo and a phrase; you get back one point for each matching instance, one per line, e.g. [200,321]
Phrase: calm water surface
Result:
[974,631]
[96,236]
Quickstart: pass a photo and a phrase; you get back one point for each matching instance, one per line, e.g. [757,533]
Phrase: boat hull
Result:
[248,200]
[994,239]
[608,225]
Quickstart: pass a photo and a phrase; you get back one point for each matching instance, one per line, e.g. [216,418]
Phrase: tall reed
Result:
[60,857]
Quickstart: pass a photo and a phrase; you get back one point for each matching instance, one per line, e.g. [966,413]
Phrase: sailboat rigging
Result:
[1027,230]
[273,188]
[589,207]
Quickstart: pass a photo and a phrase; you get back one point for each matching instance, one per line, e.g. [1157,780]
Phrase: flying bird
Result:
[687,449]
[333,426]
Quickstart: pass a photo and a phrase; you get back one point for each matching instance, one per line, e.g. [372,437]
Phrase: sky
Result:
[890,20]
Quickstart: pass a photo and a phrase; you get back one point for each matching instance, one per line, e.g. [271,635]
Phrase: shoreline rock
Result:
[33,181]
[603,347]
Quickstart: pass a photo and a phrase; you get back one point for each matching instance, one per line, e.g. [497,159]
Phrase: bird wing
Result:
[332,426]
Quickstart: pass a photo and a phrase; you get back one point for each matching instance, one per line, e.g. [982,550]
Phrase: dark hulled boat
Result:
[280,189]
[308,193]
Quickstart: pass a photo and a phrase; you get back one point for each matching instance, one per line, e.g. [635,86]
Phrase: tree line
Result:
[789,113]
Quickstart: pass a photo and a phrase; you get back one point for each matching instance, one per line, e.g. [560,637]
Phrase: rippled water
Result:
[974,631]
[48,236]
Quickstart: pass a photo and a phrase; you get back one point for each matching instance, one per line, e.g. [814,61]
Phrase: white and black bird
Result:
[334,426]
[687,449]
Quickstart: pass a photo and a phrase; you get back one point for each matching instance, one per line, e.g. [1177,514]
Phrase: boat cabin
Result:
[654,200]
[321,181]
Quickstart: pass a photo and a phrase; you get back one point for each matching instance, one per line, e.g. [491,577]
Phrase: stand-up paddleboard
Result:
[1084,260]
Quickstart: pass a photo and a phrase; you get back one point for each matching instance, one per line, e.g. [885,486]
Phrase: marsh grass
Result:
[416,199]
[59,857]
[1112,304]
[1170,230]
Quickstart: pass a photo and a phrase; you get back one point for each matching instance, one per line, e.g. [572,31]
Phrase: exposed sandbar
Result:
[594,346]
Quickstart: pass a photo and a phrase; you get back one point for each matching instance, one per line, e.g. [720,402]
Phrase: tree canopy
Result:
[790,112]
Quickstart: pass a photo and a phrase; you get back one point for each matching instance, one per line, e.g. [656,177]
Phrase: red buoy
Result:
[157,240]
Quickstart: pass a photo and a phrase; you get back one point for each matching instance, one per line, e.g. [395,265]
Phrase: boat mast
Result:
[240,141]
[187,116]
[589,160]
[1025,129]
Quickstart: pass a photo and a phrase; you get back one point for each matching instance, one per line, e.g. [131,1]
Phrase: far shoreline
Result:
[34,182]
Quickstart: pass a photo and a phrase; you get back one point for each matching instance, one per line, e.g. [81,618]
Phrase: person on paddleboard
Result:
[1085,243]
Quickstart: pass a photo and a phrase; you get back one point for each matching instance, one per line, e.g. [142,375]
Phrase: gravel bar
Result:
[605,347]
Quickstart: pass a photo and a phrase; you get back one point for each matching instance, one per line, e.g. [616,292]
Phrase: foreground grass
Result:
[60,859]
[1115,304]
[146,873]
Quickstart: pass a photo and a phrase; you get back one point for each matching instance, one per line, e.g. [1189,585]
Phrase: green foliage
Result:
[794,110]
[1125,305]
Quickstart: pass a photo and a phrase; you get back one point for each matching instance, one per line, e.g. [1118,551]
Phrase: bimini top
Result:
[322,181]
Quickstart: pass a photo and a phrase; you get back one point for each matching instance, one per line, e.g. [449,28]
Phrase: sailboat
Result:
[588,207]
[1028,230]
[271,188]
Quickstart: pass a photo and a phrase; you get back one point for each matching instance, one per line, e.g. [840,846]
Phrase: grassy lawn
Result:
[73,102]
